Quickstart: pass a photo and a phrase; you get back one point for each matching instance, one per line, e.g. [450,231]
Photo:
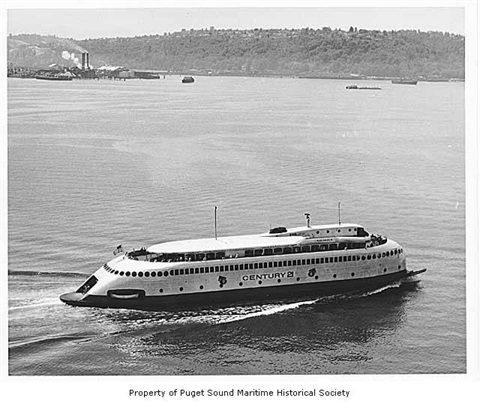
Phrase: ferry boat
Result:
[280,265]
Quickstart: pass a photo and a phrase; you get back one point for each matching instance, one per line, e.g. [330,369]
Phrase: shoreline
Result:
[33,74]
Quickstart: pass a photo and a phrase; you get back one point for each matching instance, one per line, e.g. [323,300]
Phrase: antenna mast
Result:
[339,220]
[215,222]
[307,218]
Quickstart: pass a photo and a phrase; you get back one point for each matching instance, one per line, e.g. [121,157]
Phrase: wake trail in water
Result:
[223,316]
[51,302]
[48,273]
[383,288]
[37,343]
[360,294]
[267,312]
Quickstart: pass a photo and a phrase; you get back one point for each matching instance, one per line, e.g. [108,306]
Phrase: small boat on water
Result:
[405,81]
[282,264]
[355,87]
[188,79]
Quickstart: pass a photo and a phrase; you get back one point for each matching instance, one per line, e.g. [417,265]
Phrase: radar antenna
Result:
[307,218]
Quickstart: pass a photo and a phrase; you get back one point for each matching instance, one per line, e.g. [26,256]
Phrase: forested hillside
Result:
[305,52]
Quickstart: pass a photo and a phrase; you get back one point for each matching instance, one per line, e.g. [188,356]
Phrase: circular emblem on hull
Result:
[222,280]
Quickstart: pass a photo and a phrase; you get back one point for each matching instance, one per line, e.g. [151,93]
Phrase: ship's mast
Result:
[215,222]
[339,220]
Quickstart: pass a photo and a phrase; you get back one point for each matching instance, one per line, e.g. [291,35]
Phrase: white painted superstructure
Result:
[283,262]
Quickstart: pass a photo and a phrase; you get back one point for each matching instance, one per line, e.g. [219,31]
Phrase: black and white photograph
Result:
[225,202]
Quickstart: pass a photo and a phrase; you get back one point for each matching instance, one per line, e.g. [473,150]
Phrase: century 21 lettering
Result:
[256,277]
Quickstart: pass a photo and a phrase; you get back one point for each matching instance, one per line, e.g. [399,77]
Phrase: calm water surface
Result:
[92,164]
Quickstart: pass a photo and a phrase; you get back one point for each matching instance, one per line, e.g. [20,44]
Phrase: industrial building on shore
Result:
[84,71]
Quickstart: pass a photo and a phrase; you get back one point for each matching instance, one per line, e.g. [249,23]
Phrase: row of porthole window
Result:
[278,280]
[256,265]
[241,283]
[338,231]
[361,230]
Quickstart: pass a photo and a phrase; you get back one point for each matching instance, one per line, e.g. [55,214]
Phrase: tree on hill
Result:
[313,52]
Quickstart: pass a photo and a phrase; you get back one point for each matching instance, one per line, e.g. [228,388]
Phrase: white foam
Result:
[268,312]
[379,290]
[52,302]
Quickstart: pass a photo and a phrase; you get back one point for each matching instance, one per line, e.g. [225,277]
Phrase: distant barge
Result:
[57,77]
[355,87]
[405,81]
